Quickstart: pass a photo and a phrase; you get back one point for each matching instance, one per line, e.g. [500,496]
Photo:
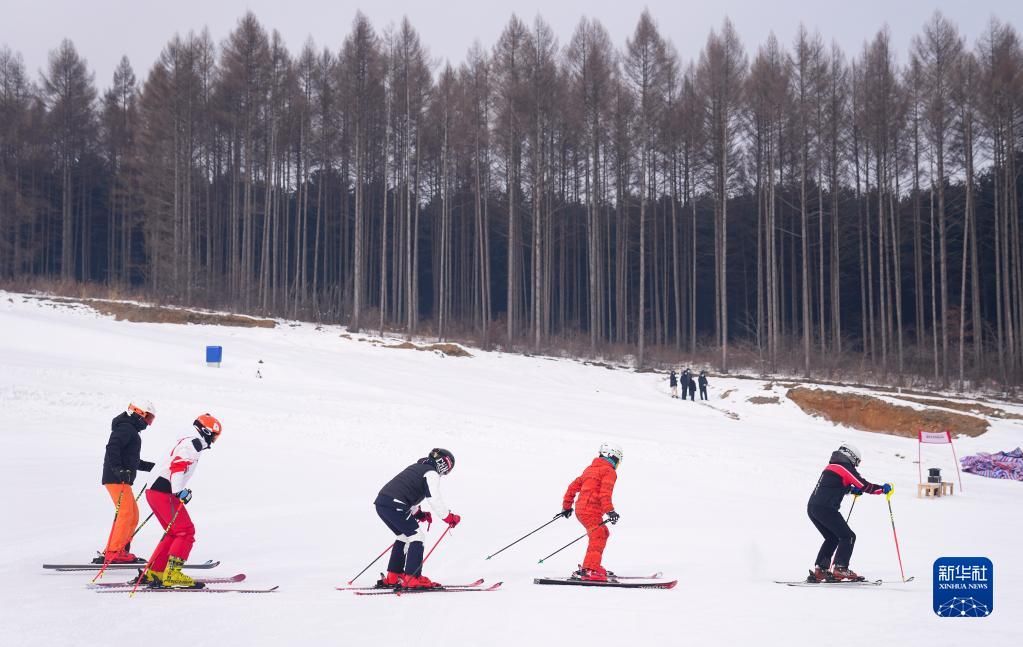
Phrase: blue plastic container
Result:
[214,355]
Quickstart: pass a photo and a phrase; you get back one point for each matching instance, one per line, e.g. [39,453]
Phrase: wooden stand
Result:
[935,489]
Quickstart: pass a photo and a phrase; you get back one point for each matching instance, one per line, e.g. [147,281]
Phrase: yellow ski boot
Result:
[151,579]
[173,578]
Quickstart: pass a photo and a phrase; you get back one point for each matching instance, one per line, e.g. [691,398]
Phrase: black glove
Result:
[146,466]
[612,517]
[566,513]
[124,475]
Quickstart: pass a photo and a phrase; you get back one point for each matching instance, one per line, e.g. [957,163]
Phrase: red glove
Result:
[422,516]
[452,519]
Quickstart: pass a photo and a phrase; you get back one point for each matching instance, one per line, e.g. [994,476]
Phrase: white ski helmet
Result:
[143,409]
[850,452]
[613,451]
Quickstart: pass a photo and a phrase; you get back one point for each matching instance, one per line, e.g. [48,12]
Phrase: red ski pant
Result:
[181,535]
[127,515]
[598,535]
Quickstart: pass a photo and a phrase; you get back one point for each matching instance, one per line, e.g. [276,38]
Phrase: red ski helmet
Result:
[208,427]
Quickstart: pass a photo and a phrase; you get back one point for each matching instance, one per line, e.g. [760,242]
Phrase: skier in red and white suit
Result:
[595,487]
[168,497]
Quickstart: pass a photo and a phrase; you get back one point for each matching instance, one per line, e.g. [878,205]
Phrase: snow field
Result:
[286,496]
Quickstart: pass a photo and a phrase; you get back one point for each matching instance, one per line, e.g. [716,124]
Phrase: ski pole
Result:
[166,532]
[569,544]
[442,536]
[524,536]
[117,511]
[389,546]
[891,515]
[141,524]
[849,516]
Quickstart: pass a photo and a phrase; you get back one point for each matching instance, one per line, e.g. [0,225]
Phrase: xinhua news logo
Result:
[963,587]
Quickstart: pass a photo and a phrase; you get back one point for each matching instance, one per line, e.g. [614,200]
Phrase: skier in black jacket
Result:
[120,464]
[692,389]
[673,383]
[703,385]
[838,478]
[398,505]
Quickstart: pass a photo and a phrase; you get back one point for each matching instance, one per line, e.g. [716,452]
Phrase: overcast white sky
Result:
[104,30]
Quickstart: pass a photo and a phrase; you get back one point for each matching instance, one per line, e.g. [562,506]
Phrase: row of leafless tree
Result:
[864,206]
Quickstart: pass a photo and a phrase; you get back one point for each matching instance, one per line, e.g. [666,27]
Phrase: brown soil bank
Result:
[157,314]
[451,350]
[969,407]
[873,414]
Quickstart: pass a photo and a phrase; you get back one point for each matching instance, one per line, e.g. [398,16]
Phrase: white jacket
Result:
[180,465]
[440,509]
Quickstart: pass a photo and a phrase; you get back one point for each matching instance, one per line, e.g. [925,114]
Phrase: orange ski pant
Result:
[127,515]
[598,535]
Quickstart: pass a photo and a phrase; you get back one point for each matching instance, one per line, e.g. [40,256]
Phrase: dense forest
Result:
[789,208]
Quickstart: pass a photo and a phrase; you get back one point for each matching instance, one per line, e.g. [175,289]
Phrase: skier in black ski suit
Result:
[838,478]
[398,505]
[703,385]
[692,389]
[673,382]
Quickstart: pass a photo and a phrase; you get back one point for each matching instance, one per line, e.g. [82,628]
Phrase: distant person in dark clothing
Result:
[703,385]
[692,389]
[673,381]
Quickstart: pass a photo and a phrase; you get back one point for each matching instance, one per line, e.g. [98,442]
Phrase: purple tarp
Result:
[1002,465]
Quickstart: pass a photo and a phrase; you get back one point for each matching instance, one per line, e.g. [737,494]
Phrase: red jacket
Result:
[594,488]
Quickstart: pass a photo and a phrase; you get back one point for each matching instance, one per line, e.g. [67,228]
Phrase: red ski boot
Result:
[418,582]
[594,575]
[843,574]
[818,575]
[389,581]
[119,557]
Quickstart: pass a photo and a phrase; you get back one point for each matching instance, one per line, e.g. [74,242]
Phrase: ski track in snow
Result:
[286,496]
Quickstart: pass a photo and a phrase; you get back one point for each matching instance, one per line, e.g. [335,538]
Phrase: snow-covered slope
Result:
[286,496]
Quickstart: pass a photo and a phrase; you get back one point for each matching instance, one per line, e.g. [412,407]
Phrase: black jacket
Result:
[673,379]
[837,479]
[409,486]
[703,381]
[123,449]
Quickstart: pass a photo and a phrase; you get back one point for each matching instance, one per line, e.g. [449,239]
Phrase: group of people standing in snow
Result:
[167,497]
[688,383]
[399,504]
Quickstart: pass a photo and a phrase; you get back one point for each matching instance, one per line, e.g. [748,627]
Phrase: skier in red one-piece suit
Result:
[594,487]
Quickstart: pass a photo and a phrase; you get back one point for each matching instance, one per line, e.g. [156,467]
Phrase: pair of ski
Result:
[615,581]
[122,587]
[472,587]
[843,583]
[64,568]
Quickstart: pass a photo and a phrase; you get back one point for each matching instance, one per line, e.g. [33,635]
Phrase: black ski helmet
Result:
[443,459]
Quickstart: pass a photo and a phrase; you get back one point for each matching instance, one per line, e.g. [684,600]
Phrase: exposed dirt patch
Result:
[451,350]
[768,386]
[122,311]
[762,399]
[968,407]
[727,393]
[873,414]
